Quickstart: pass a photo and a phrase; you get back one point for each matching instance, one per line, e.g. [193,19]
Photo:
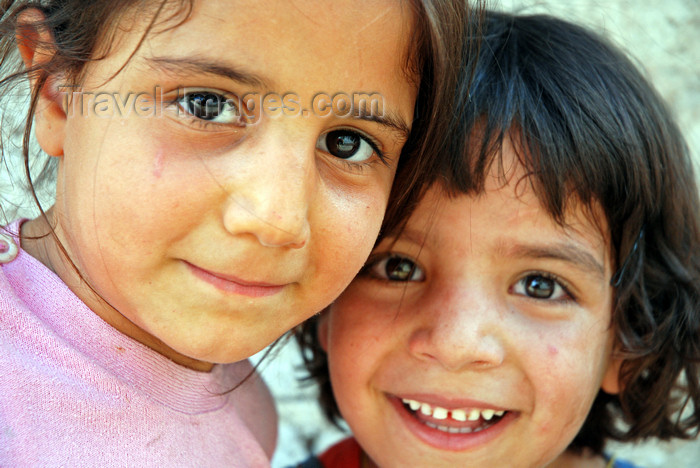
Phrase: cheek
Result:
[567,377]
[157,177]
[345,371]
[361,331]
[347,230]
[131,193]
[354,352]
[363,226]
[158,163]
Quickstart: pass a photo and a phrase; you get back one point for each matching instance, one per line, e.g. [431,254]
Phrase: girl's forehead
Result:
[508,174]
[306,48]
[506,212]
[330,38]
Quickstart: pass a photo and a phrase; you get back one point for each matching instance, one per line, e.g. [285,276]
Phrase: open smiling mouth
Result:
[453,421]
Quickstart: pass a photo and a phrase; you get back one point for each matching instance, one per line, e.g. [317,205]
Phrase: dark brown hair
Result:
[590,129]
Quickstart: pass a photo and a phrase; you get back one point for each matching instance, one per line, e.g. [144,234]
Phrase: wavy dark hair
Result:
[590,129]
[83,31]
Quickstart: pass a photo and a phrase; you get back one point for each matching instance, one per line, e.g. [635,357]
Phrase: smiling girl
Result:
[542,299]
[183,241]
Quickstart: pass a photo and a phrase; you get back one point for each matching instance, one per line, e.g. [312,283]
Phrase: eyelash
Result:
[360,165]
[375,261]
[205,124]
[558,282]
[375,146]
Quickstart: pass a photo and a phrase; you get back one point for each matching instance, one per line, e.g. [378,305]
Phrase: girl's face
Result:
[480,338]
[212,219]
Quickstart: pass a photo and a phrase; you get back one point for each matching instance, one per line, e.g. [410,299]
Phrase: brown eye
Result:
[204,106]
[539,287]
[210,106]
[396,268]
[347,145]
[342,144]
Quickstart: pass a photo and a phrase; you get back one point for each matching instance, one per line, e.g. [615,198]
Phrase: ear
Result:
[37,47]
[322,329]
[611,379]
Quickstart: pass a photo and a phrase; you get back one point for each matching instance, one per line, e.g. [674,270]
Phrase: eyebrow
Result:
[564,251]
[420,238]
[200,65]
[188,64]
[415,236]
[389,119]
[567,252]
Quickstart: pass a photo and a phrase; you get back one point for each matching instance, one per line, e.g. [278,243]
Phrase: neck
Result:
[47,244]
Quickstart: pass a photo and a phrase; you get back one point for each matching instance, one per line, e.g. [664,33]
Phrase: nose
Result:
[459,330]
[273,193]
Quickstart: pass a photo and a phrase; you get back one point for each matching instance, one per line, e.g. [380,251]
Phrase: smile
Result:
[231,284]
[454,428]
[478,419]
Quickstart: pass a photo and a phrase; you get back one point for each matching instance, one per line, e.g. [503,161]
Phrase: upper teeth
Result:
[438,412]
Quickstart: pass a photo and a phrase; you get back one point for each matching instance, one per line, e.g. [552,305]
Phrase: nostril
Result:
[284,239]
[270,227]
[292,232]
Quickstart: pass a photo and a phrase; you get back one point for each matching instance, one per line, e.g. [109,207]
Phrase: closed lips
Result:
[235,285]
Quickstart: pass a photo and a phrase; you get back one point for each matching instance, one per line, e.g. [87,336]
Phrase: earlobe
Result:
[611,379]
[36,46]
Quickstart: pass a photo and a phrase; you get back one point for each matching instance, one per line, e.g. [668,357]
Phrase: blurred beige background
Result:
[664,37]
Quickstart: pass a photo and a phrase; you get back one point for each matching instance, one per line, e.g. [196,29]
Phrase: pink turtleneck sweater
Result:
[76,392]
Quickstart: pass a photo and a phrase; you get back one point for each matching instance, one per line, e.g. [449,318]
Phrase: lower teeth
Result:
[453,430]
